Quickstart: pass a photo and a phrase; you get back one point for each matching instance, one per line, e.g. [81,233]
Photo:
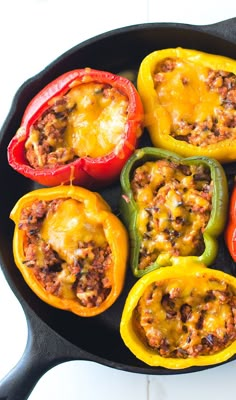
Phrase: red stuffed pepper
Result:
[230,231]
[80,128]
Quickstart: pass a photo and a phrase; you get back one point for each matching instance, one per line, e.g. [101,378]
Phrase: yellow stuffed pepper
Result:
[182,316]
[189,100]
[67,247]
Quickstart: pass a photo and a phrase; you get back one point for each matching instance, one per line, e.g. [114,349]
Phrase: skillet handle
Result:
[44,350]
[226,29]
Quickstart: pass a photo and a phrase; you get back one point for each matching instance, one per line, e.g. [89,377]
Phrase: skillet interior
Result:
[115,51]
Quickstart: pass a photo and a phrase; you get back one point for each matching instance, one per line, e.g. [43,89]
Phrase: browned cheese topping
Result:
[174,206]
[68,255]
[187,317]
[201,103]
[87,121]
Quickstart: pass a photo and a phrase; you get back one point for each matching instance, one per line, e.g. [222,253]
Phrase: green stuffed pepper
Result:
[173,207]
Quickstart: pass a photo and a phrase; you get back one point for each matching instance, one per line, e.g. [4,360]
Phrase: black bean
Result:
[186,312]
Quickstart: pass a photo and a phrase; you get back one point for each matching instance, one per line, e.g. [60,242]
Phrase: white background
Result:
[32,34]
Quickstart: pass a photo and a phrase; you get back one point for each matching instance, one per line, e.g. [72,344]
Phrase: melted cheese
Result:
[194,291]
[69,225]
[185,95]
[172,213]
[97,123]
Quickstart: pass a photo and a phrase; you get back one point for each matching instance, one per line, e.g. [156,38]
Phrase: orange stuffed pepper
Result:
[67,247]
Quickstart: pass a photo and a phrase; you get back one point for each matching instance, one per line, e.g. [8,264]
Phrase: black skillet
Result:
[56,336]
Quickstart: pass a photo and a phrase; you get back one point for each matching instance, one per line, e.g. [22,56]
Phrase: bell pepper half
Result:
[80,129]
[230,230]
[189,100]
[172,207]
[67,245]
[180,317]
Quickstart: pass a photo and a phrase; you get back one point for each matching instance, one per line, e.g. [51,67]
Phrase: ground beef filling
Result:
[45,145]
[181,318]
[85,279]
[206,113]
[60,135]
[174,206]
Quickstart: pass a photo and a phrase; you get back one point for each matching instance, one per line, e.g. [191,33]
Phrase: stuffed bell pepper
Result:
[67,247]
[173,207]
[182,316]
[230,230]
[189,99]
[80,128]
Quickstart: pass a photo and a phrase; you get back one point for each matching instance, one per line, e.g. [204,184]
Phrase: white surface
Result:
[32,34]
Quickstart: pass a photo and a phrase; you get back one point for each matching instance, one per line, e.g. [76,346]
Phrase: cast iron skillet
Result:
[56,336]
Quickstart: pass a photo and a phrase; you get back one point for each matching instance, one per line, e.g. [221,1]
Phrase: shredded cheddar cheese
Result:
[174,204]
[96,124]
[182,318]
[87,121]
[67,250]
[64,228]
[199,102]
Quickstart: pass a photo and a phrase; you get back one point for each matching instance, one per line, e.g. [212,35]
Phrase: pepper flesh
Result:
[192,316]
[230,230]
[189,102]
[141,222]
[98,168]
[66,240]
